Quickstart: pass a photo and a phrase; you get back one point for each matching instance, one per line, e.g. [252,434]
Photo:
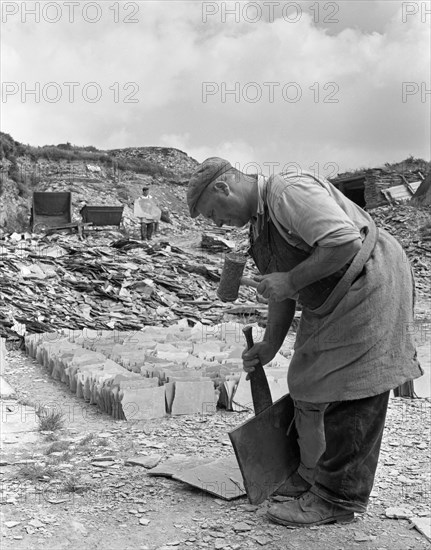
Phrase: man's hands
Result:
[276,286]
[323,261]
[280,315]
[262,352]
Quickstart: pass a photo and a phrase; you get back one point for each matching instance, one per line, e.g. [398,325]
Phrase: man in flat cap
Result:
[313,245]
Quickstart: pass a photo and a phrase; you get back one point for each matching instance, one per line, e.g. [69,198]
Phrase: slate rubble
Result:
[411,225]
[109,281]
[61,282]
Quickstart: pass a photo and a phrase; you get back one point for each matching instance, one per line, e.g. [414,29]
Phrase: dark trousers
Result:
[147,230]
[344,474]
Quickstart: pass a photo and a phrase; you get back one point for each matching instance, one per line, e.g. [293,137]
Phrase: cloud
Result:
[271,91]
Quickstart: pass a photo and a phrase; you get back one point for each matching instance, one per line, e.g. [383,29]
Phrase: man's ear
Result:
[222,187]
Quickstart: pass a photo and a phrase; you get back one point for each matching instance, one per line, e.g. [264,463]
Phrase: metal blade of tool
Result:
[267,455]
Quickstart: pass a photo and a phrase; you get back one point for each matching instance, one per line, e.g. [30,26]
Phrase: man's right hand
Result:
[262,352]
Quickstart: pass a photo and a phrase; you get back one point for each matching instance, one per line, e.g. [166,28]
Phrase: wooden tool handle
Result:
[248,333]
[260,391]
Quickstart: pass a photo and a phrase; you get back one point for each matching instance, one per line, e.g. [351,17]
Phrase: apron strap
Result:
[352,272]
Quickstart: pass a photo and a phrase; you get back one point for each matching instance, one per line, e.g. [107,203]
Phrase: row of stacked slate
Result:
[150,373]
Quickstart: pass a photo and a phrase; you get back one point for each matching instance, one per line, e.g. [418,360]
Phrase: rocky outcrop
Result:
[176,163]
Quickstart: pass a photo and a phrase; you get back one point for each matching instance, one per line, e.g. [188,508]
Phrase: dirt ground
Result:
[55,496]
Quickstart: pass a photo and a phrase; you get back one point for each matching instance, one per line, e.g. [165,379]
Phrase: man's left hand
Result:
[276,287]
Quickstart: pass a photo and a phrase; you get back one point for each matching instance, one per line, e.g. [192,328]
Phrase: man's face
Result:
[223,206]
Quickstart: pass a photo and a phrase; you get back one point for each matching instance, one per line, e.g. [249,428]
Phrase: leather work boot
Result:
[308,510]
[294,486]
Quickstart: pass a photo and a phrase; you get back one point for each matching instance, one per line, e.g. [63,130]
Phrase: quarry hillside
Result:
[94,177]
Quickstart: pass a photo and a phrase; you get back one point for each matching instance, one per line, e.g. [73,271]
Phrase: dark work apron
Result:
[272,253]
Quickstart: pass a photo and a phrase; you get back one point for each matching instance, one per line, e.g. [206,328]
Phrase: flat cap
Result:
[206,173]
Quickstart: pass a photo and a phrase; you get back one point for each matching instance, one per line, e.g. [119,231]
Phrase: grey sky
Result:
[316,84]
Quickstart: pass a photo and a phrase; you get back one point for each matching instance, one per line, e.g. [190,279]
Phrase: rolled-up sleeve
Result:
[306,208]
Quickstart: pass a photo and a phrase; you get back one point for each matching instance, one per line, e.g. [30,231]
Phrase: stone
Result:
[193,362]
[144,403]
[242,399]
[207,350]
[144,521]
[11,524]
[194,397]
[169,395]
[176,356]
[19,423]
[277,381]
[221,477]
[6,390]
[78,528]
[263,540]
[148,462]
[36,523]
[249,507]
[362,537]
[241,527]
[177,463]
[235,352]
[423,525]
[397,512]
[278,387]
[102,463]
